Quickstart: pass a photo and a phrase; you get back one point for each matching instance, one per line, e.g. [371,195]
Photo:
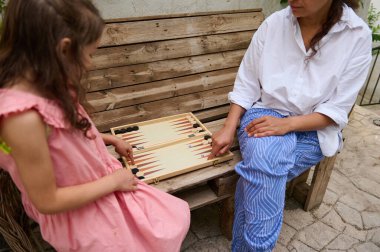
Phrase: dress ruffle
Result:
[12,102]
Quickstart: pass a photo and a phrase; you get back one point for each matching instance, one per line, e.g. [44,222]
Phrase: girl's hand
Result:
[124,149]
[269,126]
[124,180]
[222,142]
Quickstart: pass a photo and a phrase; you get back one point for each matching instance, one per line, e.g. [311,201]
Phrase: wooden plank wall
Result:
[156,67]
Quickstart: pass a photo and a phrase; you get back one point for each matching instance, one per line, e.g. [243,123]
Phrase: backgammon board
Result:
[168,146]
[150,133]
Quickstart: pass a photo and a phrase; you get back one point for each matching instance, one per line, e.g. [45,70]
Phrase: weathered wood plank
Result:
[227,216]
[159,70]
[169,49]
[216,125]
[319,183]
[302,178]
[212,114]
[199,197]
[147,92]
[165,16]
[172,28]
[300,193]
[106,119]
[224,185]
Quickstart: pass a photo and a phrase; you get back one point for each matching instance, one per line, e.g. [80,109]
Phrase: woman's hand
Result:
[124,180]
[222,141]
[269,126]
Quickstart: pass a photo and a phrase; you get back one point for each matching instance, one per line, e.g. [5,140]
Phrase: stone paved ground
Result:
[347,220]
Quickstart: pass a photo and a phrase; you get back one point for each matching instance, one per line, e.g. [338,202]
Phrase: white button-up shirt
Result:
[276,73]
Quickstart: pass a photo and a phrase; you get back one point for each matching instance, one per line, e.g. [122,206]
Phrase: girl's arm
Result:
[109,139]
[121,147]
[26,135]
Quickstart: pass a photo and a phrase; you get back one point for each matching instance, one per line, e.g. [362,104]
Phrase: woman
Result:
[295,86]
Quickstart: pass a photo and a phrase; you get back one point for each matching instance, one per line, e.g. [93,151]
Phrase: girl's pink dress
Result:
[144,220]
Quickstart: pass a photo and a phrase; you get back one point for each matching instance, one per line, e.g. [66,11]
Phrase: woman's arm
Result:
[334,110]
[246,92]
[25,134]
[273,126]
[222,140]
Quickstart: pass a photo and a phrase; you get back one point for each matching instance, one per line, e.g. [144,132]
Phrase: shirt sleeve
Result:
[350,83]
[246,89]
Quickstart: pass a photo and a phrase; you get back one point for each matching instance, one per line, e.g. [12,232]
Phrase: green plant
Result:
[2,6]
[373,17]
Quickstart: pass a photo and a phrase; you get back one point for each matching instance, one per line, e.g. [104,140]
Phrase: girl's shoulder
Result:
[14,101]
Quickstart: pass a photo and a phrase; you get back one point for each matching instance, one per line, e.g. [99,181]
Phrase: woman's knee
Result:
[266,154]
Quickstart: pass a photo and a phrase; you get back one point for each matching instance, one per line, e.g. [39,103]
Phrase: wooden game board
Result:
[150,133]
[168,146]
[161,162]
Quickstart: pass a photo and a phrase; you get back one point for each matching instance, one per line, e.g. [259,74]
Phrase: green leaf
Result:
[375,37]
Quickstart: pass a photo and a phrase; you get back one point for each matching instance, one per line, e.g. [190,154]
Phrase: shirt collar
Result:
[348,19]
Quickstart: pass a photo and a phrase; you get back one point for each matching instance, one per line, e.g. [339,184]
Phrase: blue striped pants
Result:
[267,164]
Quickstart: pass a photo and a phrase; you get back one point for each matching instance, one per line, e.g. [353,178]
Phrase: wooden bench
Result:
[152,67]
[158,66]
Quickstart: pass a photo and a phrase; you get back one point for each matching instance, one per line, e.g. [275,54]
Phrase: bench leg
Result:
[297,188]
[227,217]
[319,183]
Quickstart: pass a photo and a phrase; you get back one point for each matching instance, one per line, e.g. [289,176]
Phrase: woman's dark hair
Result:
[334,15]
[30,35]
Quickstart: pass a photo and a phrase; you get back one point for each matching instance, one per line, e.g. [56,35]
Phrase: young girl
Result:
[295,86]
[77,192]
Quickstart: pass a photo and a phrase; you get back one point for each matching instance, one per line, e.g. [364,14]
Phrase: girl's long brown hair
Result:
[30,35]
[334,15]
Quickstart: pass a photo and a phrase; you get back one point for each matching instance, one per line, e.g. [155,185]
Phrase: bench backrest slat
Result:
[182,27]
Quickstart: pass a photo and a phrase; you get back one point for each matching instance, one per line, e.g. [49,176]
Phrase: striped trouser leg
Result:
[260,193]
[308,153]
